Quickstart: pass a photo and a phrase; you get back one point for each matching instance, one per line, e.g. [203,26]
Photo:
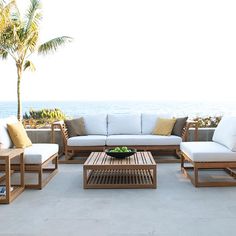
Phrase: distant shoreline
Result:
[76,108]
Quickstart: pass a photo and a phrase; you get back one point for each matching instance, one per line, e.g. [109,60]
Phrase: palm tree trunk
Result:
[19,105]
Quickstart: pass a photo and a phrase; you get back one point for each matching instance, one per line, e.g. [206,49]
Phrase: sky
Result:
[132,50]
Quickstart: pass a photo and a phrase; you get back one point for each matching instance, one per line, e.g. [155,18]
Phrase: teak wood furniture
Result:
[42,169]
[44,173]
[7,155]
[136,171]
[218,154]
[196,166]
[70,151]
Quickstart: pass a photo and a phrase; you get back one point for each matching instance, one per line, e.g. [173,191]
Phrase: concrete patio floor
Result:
[175,208]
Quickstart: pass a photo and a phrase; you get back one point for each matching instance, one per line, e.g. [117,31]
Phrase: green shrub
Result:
[42,118]
[208,122]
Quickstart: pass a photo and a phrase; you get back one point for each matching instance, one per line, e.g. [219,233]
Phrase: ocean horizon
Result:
[76,108]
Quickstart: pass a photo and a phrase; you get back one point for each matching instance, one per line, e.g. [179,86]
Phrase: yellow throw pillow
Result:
[164,126]
[18,135]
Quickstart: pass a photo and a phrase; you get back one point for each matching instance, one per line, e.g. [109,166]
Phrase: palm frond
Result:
[5,12]
[3,54]
[10,10]
[29,65]
[2,3]
[33,16]
[52,45]
[9,25]
[32,42]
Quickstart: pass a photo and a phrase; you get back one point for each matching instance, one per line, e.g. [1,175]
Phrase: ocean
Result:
[76,108]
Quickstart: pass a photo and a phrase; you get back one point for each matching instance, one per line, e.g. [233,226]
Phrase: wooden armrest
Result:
[62,127]
[190,124]
[59,122]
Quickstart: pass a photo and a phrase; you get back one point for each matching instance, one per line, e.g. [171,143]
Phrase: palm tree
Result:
[19,38]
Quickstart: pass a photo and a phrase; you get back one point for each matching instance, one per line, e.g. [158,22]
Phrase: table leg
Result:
[22,171]
[154,177]
[8,180]
[85,177]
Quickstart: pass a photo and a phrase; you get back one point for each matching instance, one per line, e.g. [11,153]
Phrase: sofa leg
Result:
[68,156]
[182,161]
[56,162]
[195,176]
[178,153]
[40,178]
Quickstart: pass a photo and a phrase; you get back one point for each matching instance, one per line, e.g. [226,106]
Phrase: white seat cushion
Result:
[124,124]
[207,152]
[5,139]
[38,153]
[89,140]
[95,124]
[149,121]
[225,133]
[140,140]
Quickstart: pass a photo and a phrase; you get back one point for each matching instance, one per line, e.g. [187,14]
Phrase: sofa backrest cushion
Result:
[5,139]
[225,133]
[95,124]
[124,124]
[149,121]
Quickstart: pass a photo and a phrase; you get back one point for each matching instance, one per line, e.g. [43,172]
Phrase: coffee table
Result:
[136,171]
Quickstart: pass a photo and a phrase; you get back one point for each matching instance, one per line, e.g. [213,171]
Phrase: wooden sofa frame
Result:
[196,166]
[70,151]
[40,169]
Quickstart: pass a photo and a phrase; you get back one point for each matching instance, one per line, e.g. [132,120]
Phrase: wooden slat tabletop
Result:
[101,159]
[10,152]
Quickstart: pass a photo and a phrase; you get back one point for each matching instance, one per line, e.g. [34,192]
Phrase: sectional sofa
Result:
[109,130]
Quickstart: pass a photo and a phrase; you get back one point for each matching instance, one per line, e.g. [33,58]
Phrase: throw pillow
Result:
[179,125]
[18,135]
[164,126]
[75,127]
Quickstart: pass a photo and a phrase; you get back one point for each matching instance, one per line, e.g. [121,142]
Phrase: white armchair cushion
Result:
[207,152]
[95,124]
[38,153]
[5,139]
[149,121]
[225,133]
[124,124]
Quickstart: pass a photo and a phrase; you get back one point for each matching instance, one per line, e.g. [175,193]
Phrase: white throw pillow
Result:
[124,124]
[95,124]
[149,121]
[5,139]
[225,132]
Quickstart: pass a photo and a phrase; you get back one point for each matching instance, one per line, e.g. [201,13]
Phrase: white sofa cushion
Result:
[89,140]
[38,153]
[149,121]
[95,124]
[207,152]
[225,133]
[141,140]
[5,139]
[124,124]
